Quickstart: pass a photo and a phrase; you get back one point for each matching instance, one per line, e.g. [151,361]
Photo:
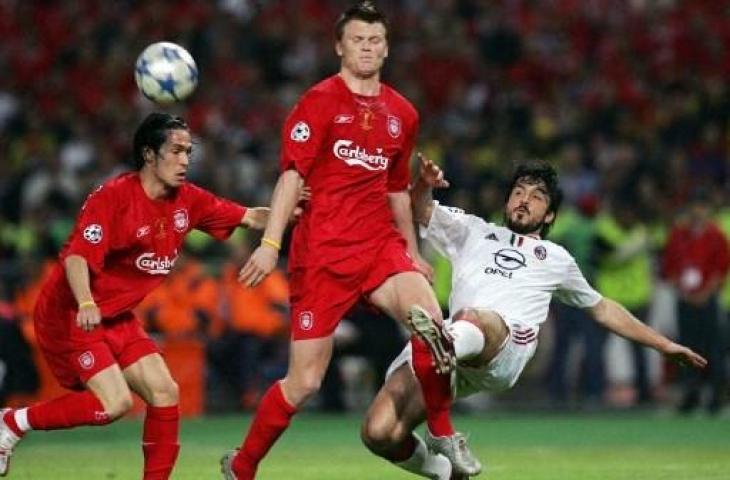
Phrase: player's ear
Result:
[338,48]
[148,154]
[549,218]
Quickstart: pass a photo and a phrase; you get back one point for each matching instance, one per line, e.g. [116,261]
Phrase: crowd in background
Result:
[630,99]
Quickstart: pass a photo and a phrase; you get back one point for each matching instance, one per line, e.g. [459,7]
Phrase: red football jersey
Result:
[351,150]
[131,242]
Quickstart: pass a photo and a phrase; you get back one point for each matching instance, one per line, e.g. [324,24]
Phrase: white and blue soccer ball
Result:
[165,73]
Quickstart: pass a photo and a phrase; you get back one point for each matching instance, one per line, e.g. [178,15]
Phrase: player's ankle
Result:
[242,467]
[440,426]
[9,417]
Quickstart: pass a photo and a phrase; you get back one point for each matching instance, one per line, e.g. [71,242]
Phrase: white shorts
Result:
[500,374]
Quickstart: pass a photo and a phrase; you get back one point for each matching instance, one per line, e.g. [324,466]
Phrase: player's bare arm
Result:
[283,202]
[620,321]
[430,176]
[77,273]
[400,204]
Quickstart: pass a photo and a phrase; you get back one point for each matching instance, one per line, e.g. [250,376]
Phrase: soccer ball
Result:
[165,73]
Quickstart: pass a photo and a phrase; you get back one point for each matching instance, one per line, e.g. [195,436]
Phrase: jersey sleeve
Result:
[216,216]
[399,176]
[448,229]
[303,134]
[91,237]
[574,290]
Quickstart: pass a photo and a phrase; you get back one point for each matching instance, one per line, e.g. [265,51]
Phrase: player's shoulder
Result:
[399,101]
[116,187]
[322,91]
[556,250]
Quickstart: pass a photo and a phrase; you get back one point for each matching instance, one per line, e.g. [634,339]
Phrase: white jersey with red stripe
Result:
[514,275]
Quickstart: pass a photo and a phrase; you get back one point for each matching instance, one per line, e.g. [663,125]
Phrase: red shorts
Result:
[74,356]
[321,295]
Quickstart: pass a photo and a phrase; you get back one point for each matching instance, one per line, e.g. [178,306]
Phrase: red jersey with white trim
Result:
[352,150]
[131,242]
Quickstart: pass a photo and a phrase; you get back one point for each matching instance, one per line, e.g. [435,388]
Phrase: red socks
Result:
[272,418]
[160,441]
[67,411]
[436,390]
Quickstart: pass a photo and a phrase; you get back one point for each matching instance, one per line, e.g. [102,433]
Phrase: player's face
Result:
[171,164]
[363,48]
[527,207]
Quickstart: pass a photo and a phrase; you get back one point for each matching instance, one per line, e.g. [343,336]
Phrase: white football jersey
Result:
[496,269]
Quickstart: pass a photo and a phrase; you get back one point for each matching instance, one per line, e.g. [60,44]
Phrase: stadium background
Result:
[630,99]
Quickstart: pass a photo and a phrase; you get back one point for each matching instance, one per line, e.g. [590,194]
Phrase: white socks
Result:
[21,419]
[468,339]
[425,463]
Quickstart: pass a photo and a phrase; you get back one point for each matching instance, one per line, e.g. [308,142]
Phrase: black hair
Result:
[365,11]
[152,133]
[534,172]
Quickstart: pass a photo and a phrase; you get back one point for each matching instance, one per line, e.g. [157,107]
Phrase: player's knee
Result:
[119,405]
[378,434]
[166,394]
[467,314]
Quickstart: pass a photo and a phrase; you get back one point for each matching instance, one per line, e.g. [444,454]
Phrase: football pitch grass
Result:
[636,446]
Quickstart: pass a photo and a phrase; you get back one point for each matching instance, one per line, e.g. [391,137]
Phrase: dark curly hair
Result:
[365,11]
[535,172]
[152,133]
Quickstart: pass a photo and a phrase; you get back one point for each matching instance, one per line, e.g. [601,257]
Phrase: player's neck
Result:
[152,186]
[367,86]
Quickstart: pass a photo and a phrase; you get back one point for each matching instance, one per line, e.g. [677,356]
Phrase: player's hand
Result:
[261,263]
[88,318]
[305,194]
[684,356]
[424,267]
[256,218]
[430,173]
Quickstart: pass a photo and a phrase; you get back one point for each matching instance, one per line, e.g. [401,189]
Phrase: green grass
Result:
[514,447]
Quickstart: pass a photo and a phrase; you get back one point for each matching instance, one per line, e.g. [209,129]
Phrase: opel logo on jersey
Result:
[356,155]
[509,259]
[155,265]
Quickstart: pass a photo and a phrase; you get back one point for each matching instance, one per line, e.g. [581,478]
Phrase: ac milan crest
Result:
[540,252]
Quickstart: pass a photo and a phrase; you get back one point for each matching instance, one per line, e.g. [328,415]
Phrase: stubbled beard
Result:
[524,228]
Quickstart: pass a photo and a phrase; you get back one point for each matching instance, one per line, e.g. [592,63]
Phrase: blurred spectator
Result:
[18,374]
[575,229]
[624,273]
[251,352]
[696,262]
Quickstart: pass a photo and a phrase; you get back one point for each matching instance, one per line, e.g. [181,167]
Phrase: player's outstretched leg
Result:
[455,448]
[435,336]
[8,439]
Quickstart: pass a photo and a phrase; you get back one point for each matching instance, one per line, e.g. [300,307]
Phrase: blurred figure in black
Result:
[18,373]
